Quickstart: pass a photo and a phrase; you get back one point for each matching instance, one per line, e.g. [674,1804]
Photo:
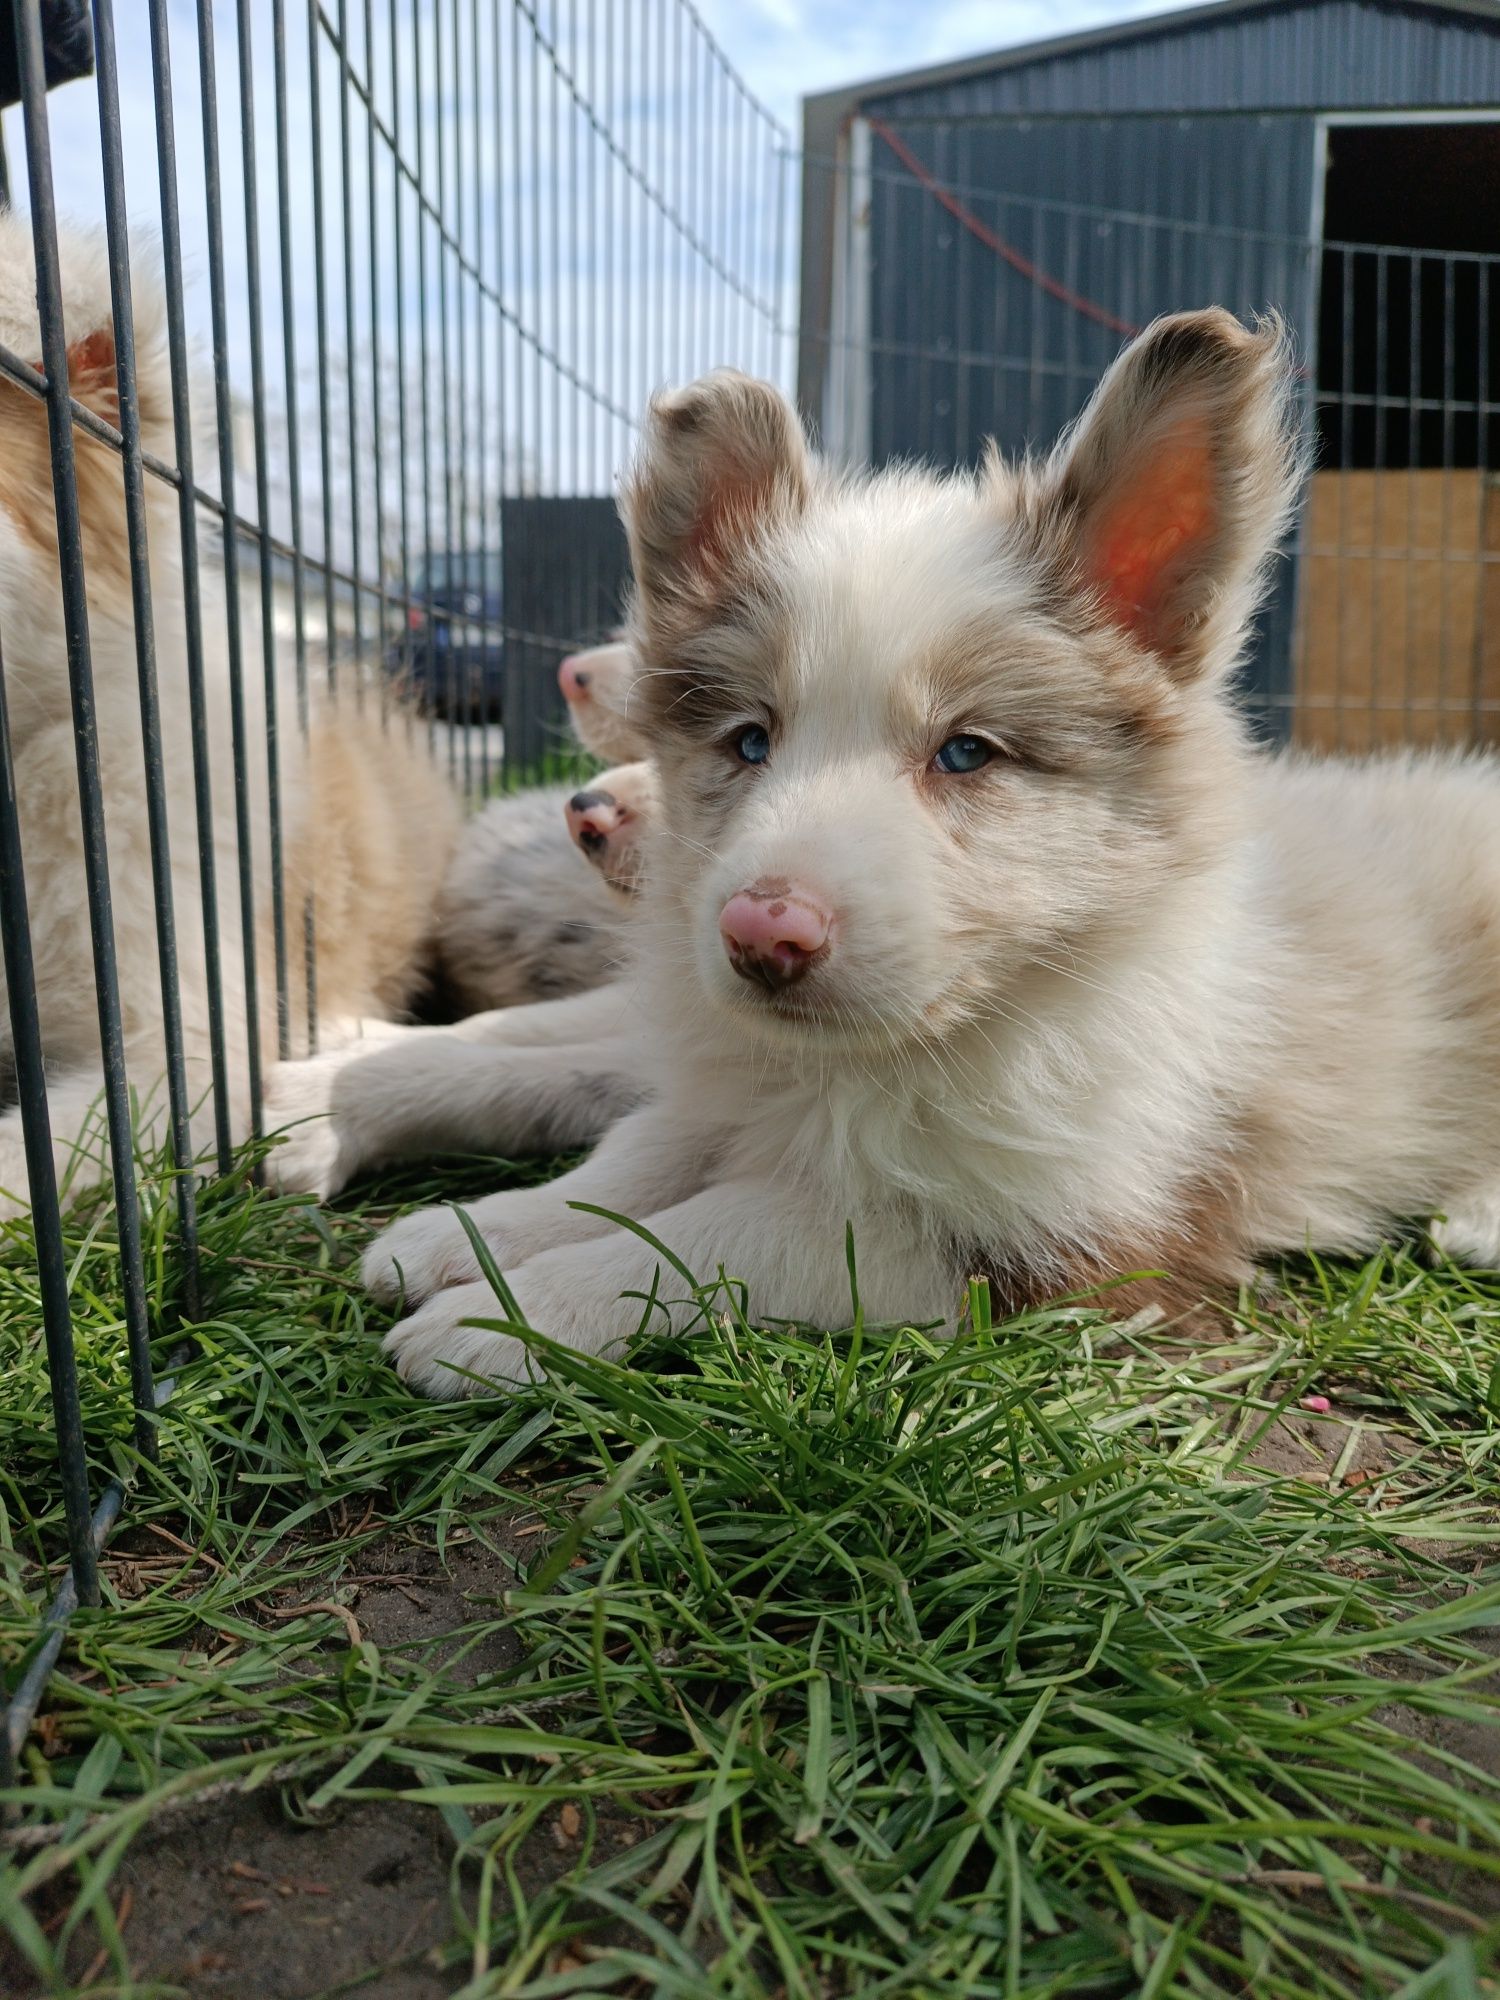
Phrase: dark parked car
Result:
[452,654]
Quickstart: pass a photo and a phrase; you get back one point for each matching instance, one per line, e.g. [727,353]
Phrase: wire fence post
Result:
[85,724]
[31,1092]
[116,224]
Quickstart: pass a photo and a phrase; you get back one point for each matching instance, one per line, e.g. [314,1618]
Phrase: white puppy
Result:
[976,920]
[367,822]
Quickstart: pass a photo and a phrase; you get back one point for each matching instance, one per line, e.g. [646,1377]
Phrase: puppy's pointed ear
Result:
[93,363]
[718,462]
[1166,501]
[92,377]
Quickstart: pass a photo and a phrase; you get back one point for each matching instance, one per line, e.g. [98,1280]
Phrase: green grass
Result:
[868,1663]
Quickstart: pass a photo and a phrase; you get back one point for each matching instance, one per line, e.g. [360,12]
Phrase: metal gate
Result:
[437,254]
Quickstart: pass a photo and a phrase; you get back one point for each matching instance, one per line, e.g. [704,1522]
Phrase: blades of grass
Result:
[490,1271]
[517,1445]
[541,1579]
[701,1568]
[875,1540]
[1010,1757]
[815,1759]
[639,1229]
[857,1326]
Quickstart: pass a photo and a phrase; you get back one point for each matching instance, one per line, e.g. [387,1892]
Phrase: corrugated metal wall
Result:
[1131,217]
[1160,214]
[1023,218]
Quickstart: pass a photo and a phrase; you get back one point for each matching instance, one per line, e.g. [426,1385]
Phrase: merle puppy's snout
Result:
[592,817]
[573,678]
[773,933]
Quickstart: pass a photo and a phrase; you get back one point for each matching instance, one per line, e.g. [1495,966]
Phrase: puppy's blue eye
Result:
[963,753]
[752,745]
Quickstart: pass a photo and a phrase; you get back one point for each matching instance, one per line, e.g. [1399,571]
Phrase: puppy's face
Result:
[920,736]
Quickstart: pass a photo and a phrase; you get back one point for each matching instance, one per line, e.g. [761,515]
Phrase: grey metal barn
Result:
[978,239]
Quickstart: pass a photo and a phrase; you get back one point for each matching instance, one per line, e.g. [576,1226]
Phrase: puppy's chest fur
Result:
[1064,1116]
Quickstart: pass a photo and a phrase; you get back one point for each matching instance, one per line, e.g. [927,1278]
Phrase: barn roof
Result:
[1391,46]
[1292,57]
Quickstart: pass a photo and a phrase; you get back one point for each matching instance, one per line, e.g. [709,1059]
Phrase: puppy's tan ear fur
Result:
[93,371]
[92,377]
[718,461]
[1167,499]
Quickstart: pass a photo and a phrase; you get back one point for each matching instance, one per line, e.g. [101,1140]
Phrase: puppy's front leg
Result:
[644,1163]
[603,1014]
[785,1243]
[436,1094]
[520,1079]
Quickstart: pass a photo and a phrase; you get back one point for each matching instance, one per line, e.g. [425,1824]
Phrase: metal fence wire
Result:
[421,263]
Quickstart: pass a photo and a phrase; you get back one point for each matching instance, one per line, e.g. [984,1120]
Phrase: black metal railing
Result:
[436,254]
[448,247]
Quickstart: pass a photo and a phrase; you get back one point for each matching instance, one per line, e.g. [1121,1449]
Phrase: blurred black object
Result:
[68,52]
[67,41]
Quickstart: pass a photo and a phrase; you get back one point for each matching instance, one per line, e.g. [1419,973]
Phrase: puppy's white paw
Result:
[332,1130]
[315,1157]
[441,1357]
[1470,1233]
[420,1255]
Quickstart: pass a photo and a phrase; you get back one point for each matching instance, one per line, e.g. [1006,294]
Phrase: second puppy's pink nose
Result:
[573,679]
[592,817]
[772,932]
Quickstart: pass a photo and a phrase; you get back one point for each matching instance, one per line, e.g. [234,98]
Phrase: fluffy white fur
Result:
[1131,996]
[367,822]
[521,915]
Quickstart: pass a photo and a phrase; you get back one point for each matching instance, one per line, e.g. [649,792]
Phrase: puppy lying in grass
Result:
[519,918]
[974,918]
[367,822]
[535,905]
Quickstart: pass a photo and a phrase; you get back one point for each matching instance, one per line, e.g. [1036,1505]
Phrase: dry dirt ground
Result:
[234,1899]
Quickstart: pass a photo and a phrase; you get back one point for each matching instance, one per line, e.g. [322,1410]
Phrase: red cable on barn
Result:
[987,236]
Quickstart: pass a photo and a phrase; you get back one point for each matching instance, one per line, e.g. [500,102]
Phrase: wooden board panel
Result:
[1398,610]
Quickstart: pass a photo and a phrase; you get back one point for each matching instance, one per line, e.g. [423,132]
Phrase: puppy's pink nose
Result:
[772,932]
[573,678]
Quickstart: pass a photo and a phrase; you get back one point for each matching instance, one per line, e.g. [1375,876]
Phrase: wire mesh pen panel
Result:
[324,333]
[325,329]
[965,302]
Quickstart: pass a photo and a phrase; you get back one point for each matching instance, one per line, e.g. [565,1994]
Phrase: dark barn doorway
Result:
[1408,329]
[1398,622]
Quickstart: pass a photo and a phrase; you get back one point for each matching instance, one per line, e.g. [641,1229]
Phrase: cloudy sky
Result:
[785,48]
